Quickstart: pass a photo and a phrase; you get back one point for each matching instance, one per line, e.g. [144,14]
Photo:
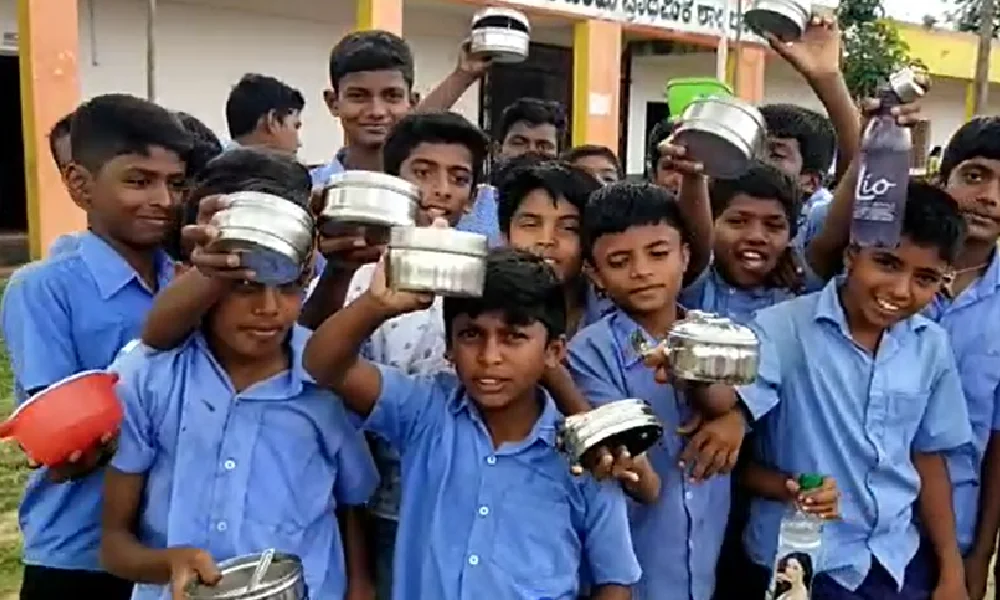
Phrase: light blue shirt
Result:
[973,324]
[507,523]
[236,473]
[814,216]
[677,540]
[838,411]
[710,292]
[65,243]
[69,313]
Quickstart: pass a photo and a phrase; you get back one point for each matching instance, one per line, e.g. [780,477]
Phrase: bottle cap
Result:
[810,481]
[909,84]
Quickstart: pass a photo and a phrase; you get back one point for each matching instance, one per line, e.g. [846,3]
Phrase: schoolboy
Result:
[263,111]
[599,161]
[76,310]
[969,310]
[229,448]
[875,414]
[636,246]
[59,148]
[489,508]
[659,163]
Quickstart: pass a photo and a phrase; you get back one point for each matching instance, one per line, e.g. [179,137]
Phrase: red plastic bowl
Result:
[69,416]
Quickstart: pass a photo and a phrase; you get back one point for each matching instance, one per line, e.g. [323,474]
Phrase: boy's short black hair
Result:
[535,112]
[932,218]
[370,51]
[253,169]
[760,181]
[587,150]
[660,132]
[559,179]
[978,138]
[506,166]
[813,131]
[61,129]
[617,207]
[521,286]
[434,128]
[255,96]
[115,124]
[206,145]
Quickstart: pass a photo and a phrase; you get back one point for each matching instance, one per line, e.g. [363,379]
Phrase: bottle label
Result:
[870,201]
[792,577]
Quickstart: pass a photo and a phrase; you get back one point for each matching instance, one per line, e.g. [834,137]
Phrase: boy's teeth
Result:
[887,306]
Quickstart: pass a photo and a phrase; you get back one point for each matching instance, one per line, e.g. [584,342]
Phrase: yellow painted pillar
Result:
[748,72]
[386,15]
[970,100]
[597,51]
[47,51]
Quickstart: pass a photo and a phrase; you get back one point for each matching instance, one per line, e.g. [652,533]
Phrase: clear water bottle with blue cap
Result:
[880,197]
[800,539]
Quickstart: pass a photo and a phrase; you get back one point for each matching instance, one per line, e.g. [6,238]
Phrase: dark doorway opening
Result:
[13,196]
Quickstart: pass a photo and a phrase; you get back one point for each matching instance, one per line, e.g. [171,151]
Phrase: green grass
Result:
[13,472]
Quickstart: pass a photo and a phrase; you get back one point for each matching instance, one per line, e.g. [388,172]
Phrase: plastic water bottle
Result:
[880,198]
[800,539]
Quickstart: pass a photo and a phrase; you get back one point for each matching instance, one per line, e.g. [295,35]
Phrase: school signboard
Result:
[690,16]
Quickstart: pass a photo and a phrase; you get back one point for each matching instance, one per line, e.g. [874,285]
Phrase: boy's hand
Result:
[817,53]
[187,566]
[715,446]
[346,248]
[619,465]
[788,273]
[905,115]
[213,263]
[660,363]
[81,464]
[679,161]
[823,502]
[471,64]
[977,574]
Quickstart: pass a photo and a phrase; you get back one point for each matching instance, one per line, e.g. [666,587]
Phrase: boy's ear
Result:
[80,184]
[593,276]
[330,99]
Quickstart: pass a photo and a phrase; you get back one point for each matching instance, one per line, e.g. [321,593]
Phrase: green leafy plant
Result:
[872,46]
[965,17]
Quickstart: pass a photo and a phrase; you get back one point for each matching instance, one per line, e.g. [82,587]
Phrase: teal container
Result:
[684,90]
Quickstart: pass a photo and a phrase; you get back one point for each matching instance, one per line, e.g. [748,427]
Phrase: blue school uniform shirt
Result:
[678,538]
[972,321]
[236,473]
[69,313]
[710,292]
[507,523]
[832,408]
[65,243]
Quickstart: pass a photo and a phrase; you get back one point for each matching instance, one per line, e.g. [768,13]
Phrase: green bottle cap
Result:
[810,481]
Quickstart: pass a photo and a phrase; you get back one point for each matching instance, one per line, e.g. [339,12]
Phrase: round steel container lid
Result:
[438,239]
[284,571]
[712,329]
[371,179]
[515,19]
[909,84]
[270,203]
[730,101]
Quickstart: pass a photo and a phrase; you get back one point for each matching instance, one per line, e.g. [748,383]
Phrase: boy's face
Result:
[664,176]
[750,236]
[63,151]
[500,363]
[785,155]
[889,285]
[642,268]
[369,104]
[550,229]
[252,320]
[975,186]
[525,137]
[443,172]
[602,169]
[284,131]
[132,198]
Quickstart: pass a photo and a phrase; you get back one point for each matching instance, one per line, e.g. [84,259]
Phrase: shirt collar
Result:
[754,292]
[543,431]
[829,309]
[110,270]
[284,386]
[629,334]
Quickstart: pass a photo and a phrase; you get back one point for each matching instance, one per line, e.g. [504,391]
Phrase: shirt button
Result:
[688,495]
[474,560]
[491,460]
[221,526]
[229,464]
[484,510]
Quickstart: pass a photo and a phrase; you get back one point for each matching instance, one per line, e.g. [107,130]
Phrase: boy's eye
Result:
[468,334]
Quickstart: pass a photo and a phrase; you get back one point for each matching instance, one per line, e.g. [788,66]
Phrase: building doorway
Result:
[13,197]
[546,74]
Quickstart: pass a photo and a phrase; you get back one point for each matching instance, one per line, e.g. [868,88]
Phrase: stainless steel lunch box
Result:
[708,348]
[502,34]
[282,580]
[785,19]
[630,423]
[724,134]
[368,199]
[437,260]
[274,236]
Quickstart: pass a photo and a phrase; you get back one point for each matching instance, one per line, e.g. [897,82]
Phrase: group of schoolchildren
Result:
[405,446]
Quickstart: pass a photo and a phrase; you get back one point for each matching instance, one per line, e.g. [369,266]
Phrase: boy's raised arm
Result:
[179,308]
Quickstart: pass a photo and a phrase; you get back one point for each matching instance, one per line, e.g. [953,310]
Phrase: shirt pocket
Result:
[980,378]
[906,410]
[536,543]
[291,480]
